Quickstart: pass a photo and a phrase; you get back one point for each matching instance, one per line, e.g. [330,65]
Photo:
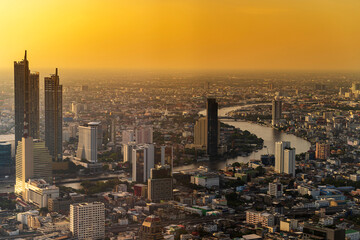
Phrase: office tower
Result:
[276,110]
[200,133]
[284,158]
[142,162]
[212,126]
[87,220]
[53,116]
[32,161]
[289,161]
[275,189]
[144,135]
[87,146]
[113,131]
[127,151]
[322,151]
[5,158]
[160,184]
[128,136]
[164,156]
[151,229]
[26,89]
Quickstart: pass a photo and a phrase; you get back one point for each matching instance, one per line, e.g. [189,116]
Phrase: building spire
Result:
[25,55]
[56,71]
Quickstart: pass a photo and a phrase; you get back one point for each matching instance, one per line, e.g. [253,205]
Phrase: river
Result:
[268,134]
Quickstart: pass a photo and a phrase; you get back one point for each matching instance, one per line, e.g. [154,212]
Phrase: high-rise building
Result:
[151,229]
[142,162]
[284,158]
[127,151]
[275,189]
[87,220]
[200,132]
[26,88]
[322,151]
[212,126]
[5,158]
[32,161]
[164,156]
[276,110]
[144,135]
[88,138]
[160,184]
[289,161]
[128,136]
[53,116]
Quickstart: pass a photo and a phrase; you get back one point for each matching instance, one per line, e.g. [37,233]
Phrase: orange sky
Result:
[182,34]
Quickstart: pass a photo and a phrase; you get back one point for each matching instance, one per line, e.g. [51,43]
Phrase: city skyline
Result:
[247,35]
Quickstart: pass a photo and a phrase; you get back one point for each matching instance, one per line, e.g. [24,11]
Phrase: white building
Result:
[127,151]
[144,135]
[87,220]
[142,162]
[275,189]
[284,158]
[207,180]
[38,191]
[33,160]
[88,138]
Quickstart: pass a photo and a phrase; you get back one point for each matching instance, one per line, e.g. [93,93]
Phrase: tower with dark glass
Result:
[53,116]
[212,126]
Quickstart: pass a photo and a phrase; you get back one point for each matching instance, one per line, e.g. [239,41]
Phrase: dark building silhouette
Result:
[26,89]
[53,116]
[212,126]
[314,232]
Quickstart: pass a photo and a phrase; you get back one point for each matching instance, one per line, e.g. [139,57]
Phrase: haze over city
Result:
[180,120]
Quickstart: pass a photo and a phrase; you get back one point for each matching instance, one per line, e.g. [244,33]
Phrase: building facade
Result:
[284,158]
[88,138]
[142,162]
[53,116]
[87,220]
[212,126]
[160,184]
[276,110]
[26,92]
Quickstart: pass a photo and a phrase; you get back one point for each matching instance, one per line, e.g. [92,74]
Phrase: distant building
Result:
[88,138]
[275,189]
[200,132]
[32,161]
[164,155]
[38,191]
[314,232]
[26,88]
[144,135]
[142,162]
[87,220]
[128,136]
[160,184]
[322,151]
[53,116]
[276,110]
[151,229]
[263,218]
[284,158]
[127,151]
[5,158]
[207,180]
[140,190]
[212,126]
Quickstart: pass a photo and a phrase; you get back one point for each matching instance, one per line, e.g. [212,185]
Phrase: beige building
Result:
[32,161]
[200,133]
[264,218]
[87,220]
[38,191]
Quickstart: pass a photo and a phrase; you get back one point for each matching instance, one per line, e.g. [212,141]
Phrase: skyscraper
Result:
[87,220]
[142,162]
[87,146]
[200,133]
[32,161]
[151,229]
[5,158]
[284,158]
[53,116]
[212,126]
[26,89]
[160,184]
[276,110]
